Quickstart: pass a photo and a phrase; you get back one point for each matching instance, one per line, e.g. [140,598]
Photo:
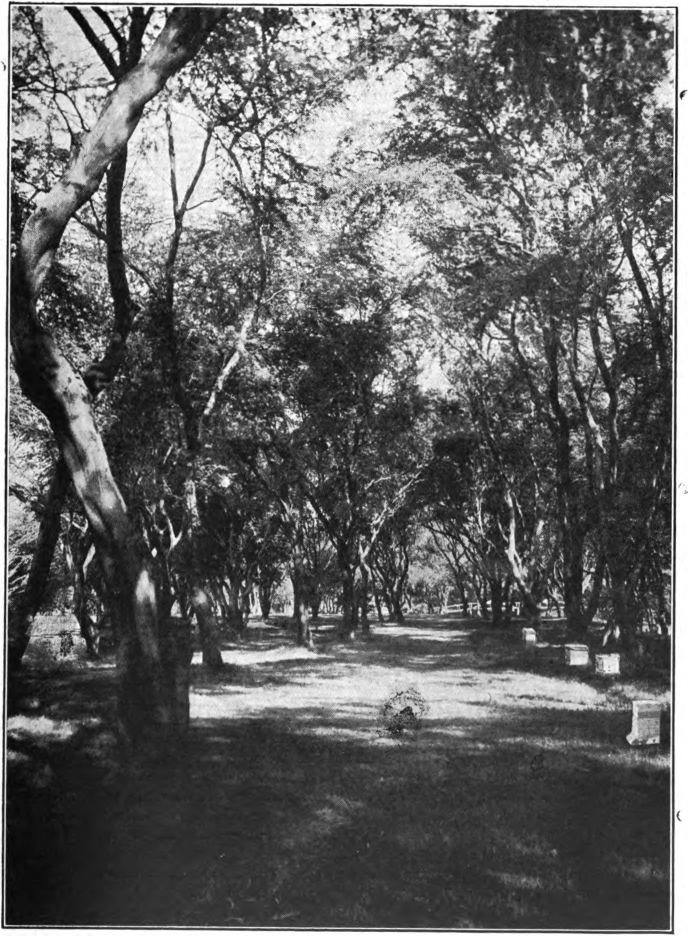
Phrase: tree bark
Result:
[265,599]
[87,625]
[496,600]
[464,599]
[348,626]
[365,582]
[97,377]
[236,618]
[22,612]
[397,612]
[147,697]
[207,631]
[303,631]
[200,602]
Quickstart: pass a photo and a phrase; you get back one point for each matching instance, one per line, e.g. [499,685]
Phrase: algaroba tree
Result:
[152,689]
[24,605]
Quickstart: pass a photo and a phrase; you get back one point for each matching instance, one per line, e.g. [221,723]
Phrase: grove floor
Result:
[516,803]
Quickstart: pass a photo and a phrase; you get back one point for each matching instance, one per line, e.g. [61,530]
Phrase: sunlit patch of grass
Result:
[515,803]
[641,870]
[39,727]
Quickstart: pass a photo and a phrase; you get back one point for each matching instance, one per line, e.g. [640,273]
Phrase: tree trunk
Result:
[299,584]
[98,376]
[50,382]
[624,608]
[265,599]
[87,625]
[201,604]
[22,612]
[378,604]
[397,610]
[496,599]
[304,638]
[464,599]
[363,593]
[303,630]
[573,587]
[300,616]
[235,616]
[444,598]
[389,604]
[246,605]
[347,630]
[208,631]
[221,599]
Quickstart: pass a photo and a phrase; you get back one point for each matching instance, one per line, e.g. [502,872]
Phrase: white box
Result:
[529,635]
[645,727]
[576,655]
[607,664]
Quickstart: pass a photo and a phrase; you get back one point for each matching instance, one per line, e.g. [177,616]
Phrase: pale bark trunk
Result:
[97,376]
[147,695]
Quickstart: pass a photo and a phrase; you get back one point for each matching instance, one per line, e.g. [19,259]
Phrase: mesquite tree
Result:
[151,689]
[100,374]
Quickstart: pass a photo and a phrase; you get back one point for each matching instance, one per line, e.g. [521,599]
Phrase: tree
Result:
[540,249]
[47,378]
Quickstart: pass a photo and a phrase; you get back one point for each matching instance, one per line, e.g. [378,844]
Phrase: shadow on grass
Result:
[322,820]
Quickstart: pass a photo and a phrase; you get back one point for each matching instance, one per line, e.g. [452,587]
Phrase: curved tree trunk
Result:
[98,376]
[87,625]
[147,692]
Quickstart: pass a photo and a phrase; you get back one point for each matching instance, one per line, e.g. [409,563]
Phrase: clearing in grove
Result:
[512,801]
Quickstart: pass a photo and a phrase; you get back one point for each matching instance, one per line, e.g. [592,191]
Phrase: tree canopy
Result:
[377,300]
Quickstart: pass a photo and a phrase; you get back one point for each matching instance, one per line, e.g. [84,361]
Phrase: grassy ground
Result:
[516,804]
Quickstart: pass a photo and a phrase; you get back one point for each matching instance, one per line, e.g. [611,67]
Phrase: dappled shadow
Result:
[515,804]
[256,823]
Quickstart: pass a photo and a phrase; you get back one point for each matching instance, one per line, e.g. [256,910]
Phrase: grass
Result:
[514,803]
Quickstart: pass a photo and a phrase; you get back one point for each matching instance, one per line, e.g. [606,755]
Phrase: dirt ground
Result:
[515,801]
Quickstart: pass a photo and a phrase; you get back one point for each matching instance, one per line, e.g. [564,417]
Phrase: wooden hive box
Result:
[576,655]
[607,664]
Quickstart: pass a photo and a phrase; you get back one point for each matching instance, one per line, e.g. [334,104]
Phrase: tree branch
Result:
[96,43]
[114,32]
